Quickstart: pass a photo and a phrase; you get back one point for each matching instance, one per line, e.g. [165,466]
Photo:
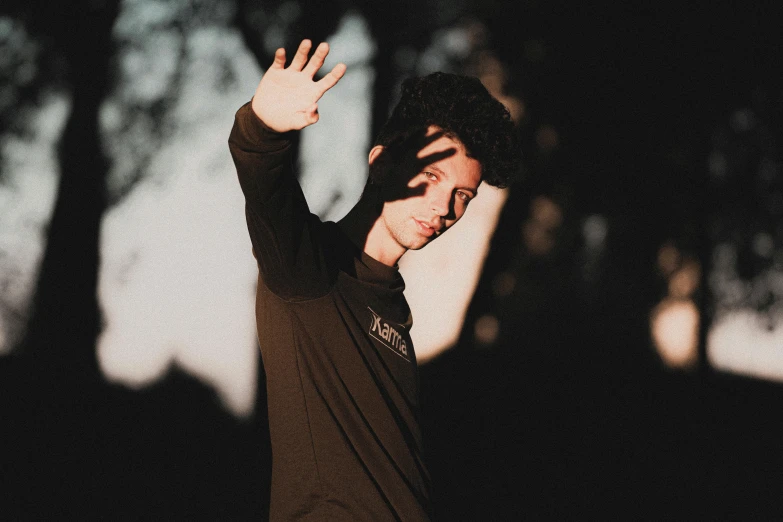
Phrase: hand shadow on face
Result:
[399,162]
[390,173]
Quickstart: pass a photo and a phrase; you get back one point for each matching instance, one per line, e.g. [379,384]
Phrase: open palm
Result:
[287,97]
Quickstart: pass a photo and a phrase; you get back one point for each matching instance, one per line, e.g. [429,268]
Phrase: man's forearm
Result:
[261,155]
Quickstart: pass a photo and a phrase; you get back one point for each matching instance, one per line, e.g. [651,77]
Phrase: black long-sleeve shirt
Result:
[333,325]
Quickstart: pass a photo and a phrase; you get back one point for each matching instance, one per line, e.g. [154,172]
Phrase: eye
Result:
[463,196]
[430,176]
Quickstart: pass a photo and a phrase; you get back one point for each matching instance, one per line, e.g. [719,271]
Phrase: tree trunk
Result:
[65,318]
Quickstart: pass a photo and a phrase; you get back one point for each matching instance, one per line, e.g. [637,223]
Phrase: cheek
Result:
[459,210]
[396,211]
[418,189]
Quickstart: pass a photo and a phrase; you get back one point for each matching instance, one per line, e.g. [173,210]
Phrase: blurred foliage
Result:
[745,164]
[19,57]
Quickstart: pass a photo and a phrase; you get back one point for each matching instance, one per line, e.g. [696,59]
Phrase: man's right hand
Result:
[287,98]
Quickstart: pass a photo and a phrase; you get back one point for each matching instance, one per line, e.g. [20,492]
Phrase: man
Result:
[334,326]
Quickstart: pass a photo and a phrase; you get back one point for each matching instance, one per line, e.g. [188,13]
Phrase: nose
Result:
[441,202]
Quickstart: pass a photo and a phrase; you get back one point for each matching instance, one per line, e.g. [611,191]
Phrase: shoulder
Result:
[314,270]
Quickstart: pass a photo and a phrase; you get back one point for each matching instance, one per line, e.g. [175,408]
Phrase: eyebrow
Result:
[442,173]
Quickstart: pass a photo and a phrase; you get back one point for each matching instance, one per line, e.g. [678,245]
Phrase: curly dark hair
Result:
[463,109]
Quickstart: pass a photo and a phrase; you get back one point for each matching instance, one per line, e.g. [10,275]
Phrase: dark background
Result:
[570,413]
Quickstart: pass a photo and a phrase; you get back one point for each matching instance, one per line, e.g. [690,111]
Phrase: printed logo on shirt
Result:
[388,335]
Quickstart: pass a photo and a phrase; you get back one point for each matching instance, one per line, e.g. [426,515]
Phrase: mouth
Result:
[424,228]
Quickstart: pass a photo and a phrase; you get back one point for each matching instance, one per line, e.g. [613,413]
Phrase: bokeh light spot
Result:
[486,329]
[547,212]
[594,229]
[547,138]
[685,280]
[503,284]
[668,259]
[675,332]
[763,245]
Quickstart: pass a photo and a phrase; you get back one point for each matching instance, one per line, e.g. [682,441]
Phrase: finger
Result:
[407,148]
[279,62]
[300,58]
[434,157]
[414,141]
[419,139]
[318,59]
[331,79]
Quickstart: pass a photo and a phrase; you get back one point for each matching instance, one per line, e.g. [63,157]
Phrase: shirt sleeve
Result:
[285,235]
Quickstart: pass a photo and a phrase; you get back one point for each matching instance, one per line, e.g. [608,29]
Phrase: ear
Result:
[374,153]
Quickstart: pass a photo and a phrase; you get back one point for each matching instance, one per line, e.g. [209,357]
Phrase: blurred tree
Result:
[745,278]
[76,444]
[31,70]
[65,319]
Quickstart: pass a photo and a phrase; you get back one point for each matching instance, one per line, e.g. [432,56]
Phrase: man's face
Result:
[435,196]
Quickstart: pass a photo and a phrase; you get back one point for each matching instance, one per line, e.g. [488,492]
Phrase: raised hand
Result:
[287,97]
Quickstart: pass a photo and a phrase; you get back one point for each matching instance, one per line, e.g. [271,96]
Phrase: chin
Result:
[412,240]
[419,244]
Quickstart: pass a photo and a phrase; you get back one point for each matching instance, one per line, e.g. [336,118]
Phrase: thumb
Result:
[311,114]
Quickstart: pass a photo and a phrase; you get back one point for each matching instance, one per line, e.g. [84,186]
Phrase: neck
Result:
[366,229]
